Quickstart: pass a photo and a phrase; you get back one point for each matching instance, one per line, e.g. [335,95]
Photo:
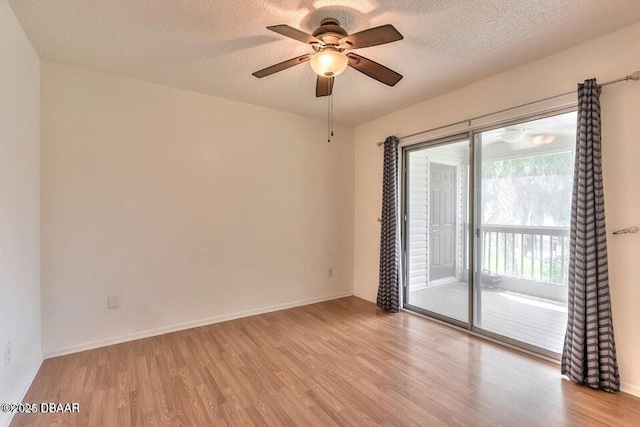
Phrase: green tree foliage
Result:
[542,165]
[528,191]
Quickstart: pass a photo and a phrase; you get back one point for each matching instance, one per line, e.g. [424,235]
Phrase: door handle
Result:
[431,230]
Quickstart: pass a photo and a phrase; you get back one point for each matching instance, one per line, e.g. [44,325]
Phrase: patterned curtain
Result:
[389,287]
[589,355]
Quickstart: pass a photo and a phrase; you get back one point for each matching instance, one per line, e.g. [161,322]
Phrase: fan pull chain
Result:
[330,118]
[332,114]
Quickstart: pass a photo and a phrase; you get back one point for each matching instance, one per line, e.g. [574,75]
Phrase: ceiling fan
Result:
[528,136]
[328,59]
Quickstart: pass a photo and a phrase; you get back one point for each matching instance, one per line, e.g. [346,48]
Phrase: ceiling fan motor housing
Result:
[330,32]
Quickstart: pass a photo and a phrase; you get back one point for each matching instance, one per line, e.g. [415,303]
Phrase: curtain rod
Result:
[633,76]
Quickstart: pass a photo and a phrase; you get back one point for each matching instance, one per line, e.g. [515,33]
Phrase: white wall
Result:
[19,208]
[191,208]
[606,58]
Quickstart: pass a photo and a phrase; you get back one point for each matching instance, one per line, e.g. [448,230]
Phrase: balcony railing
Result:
[533,253]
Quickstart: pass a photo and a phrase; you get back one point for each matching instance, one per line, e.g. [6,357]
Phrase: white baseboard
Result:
[371,298]
[25,387]
[187,325]
[631,389]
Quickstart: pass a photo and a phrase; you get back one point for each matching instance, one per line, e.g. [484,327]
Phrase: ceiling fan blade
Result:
[294,33]
[282,66]
[324,86]
[373,69]
[371,37]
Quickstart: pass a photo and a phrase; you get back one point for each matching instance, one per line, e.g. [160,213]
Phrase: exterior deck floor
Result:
[533,320]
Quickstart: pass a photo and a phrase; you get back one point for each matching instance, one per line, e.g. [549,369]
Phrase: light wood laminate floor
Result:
[342,362]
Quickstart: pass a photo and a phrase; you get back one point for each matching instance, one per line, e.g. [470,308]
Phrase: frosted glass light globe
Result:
[329,62]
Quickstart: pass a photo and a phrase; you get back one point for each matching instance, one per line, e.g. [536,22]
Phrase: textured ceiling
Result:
[213,46]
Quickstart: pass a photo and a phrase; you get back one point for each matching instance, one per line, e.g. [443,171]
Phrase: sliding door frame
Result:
[474,228]
[404,209]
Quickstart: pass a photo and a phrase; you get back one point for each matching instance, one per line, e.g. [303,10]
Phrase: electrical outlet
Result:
[113,302]
[7,354]
[330,272]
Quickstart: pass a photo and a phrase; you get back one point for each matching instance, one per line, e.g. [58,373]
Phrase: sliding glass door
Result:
[523,180]
[437,229]
[518,227]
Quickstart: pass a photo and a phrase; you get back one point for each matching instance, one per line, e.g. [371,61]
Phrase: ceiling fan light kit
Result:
[329,62]
[543,139]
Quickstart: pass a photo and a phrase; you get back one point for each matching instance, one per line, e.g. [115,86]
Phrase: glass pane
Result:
[437,229]
[524,179]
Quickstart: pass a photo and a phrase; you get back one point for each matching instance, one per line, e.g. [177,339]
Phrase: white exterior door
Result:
[442,221]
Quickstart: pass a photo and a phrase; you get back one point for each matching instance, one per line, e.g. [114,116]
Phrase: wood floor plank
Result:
[337,363]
